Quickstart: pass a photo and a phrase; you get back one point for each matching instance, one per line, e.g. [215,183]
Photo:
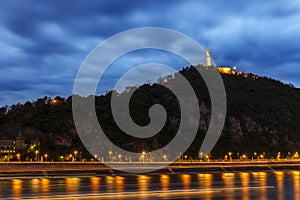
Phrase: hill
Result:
[262,117]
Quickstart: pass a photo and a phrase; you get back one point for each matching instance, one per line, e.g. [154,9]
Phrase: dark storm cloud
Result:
[44,43]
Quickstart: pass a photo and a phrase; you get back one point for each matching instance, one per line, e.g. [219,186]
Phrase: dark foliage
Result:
[263,116]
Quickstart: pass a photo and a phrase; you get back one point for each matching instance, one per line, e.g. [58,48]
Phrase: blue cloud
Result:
[43,44]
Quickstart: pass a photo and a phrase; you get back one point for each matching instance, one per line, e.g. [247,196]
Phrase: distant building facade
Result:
[7,146]
[10,146]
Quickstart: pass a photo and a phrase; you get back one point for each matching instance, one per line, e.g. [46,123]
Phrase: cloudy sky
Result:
[43,43]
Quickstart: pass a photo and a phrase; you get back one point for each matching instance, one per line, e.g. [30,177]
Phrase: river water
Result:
[239,185]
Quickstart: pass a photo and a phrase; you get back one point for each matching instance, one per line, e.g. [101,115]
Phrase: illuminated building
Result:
[225,70]
[9,147]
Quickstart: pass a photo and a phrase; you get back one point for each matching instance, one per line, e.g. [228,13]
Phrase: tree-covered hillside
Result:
[263,115]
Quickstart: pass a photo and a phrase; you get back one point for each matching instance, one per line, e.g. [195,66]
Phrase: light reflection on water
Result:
[228,179]
[186,180]
[241,185]
[296,180]
[72,185]
[143,182]
[205,182]
[280,178]
[45,187]
[109,183]
[165,181]
[17,187]
[261,177]
[119,183]
[245,178]
[95,183]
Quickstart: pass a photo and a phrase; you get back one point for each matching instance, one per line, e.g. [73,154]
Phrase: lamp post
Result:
[230,158]
[36,155]
[255,155]
[261,156]
[18,156]
[207,157]
[185,157]
[46,157]
[278,155]
[75,153]
[71,157]
[143,156]
[244,156]
[201,155]
[110,152]
[165,157]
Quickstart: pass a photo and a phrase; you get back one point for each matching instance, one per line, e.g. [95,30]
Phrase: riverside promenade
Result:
[57,169]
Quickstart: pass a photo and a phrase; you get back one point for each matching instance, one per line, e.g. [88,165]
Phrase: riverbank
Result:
[77,169]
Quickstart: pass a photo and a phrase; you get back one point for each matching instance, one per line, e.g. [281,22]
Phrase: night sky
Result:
[43,43]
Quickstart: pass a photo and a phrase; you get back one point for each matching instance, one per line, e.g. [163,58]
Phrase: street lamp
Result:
[143,156]
[110,152]
[230,158]
[244,156]
[262,156]
[70,157]
[165,157]
[75,153]
[201,155]
[36,155]
[207,157]
[254,155]
[18,156]
[46,156]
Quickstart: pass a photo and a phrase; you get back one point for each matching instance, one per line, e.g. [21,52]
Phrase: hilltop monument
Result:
[208,58]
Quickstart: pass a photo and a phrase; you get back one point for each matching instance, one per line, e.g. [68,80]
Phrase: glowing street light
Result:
[110,152]
[143,156]
[165,157]
[36,155]
[75,153]
[244,156]
[18,156]
[254,155]
[46,156]
[207,157]
[201,155]
[278,155]
[70,157]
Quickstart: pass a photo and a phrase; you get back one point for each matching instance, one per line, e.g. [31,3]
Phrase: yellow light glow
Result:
[164,181]
[225,70]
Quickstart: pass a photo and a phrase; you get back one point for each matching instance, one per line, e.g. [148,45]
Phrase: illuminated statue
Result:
[208,58]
